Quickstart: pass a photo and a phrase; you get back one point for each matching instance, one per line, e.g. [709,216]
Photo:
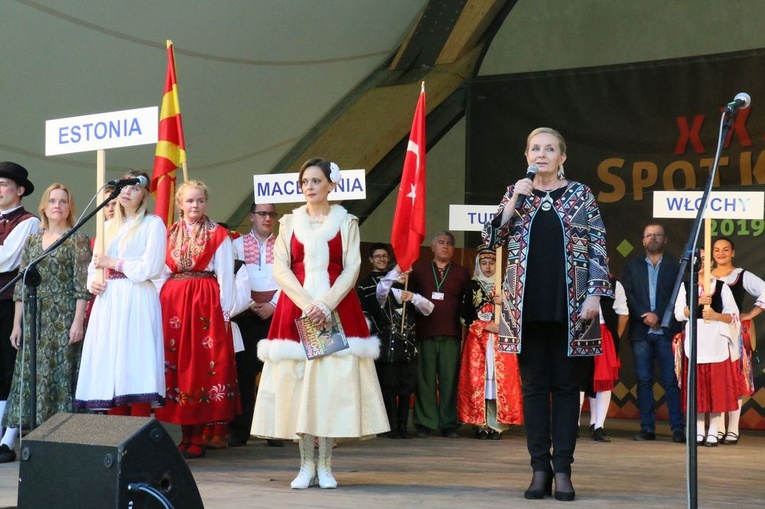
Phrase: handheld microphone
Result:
[139,181]
[529,175]
[742,101]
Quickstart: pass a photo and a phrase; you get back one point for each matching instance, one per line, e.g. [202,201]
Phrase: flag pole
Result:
[100,179]
[185,171]
[403,309]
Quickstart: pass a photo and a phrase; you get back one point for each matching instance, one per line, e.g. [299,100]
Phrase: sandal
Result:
[731,438]
[711,441]
[700,439]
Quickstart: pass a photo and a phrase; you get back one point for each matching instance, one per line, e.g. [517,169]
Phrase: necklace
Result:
[547,201]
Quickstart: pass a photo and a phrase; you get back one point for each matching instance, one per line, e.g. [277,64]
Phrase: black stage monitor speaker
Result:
[103,461]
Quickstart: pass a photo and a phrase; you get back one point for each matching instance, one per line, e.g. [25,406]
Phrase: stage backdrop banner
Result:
[632,130]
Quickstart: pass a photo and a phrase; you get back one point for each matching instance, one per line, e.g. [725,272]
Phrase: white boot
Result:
[306,476]
[324,468]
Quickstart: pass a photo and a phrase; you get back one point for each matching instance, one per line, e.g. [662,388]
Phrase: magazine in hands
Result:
[319,342]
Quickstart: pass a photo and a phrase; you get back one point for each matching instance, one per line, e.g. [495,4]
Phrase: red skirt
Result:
[200,367]
[743,370]
[607,364]
[716,387]
[471,390]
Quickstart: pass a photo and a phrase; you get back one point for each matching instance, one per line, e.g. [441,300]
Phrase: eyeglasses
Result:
[380,256]
[653,235]
[264,215]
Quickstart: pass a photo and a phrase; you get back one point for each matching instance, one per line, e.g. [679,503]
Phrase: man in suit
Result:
[648,282]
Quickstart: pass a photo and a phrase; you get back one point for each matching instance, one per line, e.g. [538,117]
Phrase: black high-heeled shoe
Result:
[564,490]
[541,485]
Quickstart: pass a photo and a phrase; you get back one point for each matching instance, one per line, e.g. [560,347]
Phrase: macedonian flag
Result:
[171,149]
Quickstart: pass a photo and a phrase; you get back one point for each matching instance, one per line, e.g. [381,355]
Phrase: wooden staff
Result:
[100,179]
[403,309]
[498,286]
[707,258]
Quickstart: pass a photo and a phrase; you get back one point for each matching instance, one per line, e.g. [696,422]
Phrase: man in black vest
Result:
[16,224]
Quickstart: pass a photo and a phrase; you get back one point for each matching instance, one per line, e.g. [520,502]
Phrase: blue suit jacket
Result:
[636,287]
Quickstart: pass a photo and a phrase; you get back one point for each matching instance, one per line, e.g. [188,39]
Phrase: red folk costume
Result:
[200,370]
[333,396]
[476,389]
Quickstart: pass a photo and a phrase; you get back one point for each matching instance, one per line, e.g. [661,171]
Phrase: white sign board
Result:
[722,204]
[100,131]
[470,218]
[285,188]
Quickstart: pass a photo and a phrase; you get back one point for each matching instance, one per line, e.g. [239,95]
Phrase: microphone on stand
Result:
[529,175]
[139,181]
[742,101]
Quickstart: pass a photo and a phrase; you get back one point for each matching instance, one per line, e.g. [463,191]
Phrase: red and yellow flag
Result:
[171,149]
[409,220]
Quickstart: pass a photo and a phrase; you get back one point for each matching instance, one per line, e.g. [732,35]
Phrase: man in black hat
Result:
[16,224]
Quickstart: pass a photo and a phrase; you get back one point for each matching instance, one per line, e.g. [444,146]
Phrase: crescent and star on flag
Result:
[415,149]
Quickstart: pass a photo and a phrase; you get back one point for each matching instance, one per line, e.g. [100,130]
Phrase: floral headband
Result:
[334,172]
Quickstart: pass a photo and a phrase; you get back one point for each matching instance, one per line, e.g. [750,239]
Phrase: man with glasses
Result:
[648,282]
[256,249]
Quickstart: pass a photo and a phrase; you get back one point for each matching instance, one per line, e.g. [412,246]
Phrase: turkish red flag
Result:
[409,221]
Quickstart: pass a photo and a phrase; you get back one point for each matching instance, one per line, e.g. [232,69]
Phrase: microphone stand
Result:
[692,290]
[32,280]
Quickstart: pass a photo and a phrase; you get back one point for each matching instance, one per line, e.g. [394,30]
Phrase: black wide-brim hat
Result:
[18,174]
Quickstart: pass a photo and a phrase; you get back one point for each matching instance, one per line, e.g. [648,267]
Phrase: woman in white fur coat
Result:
[316,263]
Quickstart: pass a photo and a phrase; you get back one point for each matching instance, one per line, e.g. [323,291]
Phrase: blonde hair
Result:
[189,184]
[547,130]
[119,213]
[44,203]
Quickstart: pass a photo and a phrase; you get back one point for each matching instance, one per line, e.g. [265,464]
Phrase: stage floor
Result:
[465,472]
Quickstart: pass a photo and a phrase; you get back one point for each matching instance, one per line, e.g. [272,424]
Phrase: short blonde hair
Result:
[44,202]
[547,130]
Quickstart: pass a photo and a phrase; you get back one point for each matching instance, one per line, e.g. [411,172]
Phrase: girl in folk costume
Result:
[741,282]
[603,370]
[200,371]
[717,349]
[489,391]
[316,263]
[62,298]
[122,362]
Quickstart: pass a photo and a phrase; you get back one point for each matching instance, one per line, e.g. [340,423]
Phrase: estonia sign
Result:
[100,131]
[470,218]
[721,205]
[284,187]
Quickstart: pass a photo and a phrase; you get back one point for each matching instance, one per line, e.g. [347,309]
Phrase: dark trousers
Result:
[7,352]
[398,381]
[548,373]
[248,366]
[438,370]
[656,347]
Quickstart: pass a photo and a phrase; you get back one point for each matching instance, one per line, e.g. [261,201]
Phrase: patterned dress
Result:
[64,281]
[200,367]
[486,373]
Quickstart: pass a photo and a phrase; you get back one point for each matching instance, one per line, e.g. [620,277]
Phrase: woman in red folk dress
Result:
[316,263]
[489,392]
[200,371]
